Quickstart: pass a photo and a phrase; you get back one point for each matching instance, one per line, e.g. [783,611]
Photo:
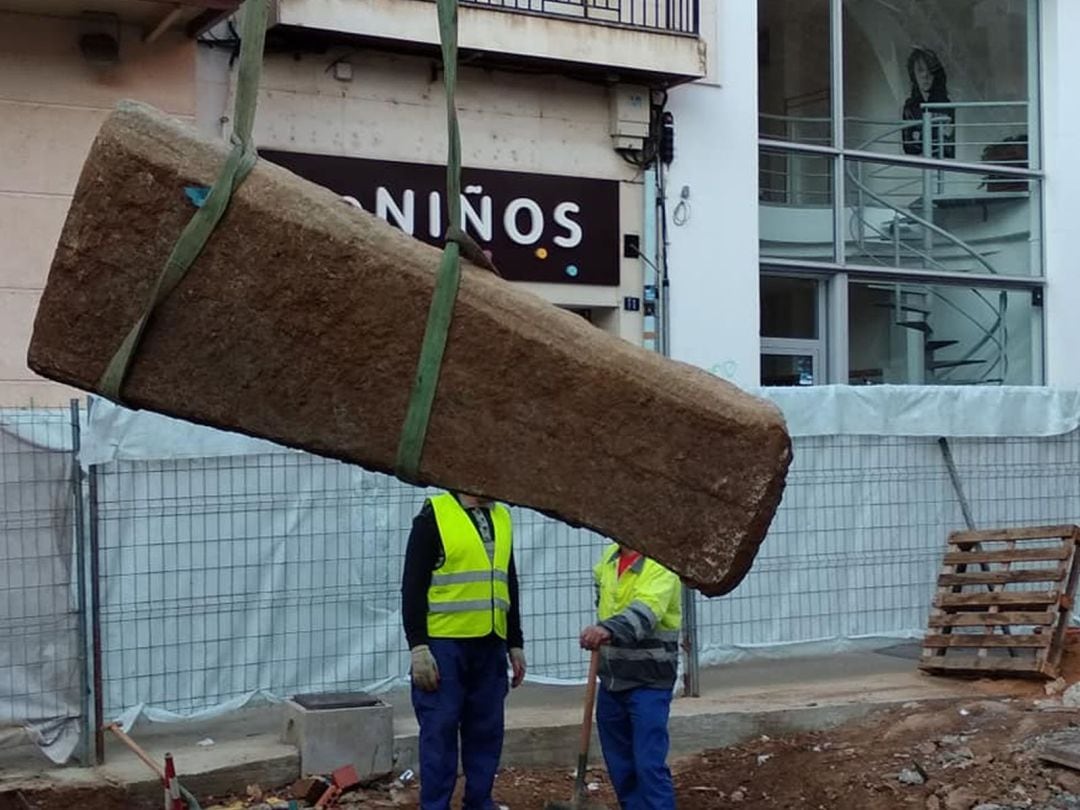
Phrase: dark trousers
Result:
[634,737]
[469,702]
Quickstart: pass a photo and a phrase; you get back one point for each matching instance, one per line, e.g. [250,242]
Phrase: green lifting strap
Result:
[441,311]
[199,228]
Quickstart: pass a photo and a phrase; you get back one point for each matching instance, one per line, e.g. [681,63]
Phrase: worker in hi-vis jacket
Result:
[639,607]
[459,605]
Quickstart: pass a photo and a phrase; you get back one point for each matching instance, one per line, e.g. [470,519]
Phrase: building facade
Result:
[860,193]
[898,176]
[558,105]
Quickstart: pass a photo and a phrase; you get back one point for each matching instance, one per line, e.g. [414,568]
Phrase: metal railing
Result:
[671,16]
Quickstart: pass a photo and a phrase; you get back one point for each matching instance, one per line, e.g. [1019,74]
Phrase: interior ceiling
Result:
[143,13]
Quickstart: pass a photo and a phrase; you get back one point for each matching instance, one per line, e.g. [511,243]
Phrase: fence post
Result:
[692,675]
[95,618]
[80,582]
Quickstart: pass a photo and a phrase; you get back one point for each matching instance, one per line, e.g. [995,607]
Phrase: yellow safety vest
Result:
[646,581]
[469,595]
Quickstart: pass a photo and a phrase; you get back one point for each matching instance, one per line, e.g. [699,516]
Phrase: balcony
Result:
[652,42]
[154,17]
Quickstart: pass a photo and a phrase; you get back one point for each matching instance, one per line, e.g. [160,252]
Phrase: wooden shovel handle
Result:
[590,701]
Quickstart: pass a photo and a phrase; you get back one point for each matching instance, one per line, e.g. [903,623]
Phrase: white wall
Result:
[1061,114]
[51,105]
[713,258]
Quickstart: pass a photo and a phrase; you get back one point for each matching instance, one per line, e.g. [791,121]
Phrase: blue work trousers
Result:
[469,702]
[633,729]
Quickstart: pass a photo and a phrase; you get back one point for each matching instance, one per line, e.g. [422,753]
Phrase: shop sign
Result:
[535,227]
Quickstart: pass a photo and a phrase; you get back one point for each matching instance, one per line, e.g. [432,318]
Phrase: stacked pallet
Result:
[1003,602]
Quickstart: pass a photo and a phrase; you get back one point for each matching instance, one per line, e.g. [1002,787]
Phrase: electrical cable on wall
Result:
[681,215]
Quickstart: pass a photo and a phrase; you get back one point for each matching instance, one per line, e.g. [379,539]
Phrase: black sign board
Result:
[535,227]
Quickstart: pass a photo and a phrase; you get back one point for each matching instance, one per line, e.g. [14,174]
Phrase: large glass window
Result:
[946,79]
[792,316]
[794,70]
[940,219]
[796,211]
[935,334]
[899,155]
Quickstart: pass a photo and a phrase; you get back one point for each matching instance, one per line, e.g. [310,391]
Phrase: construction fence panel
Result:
[278,572]
[226,578]
[41,645]
[856,547]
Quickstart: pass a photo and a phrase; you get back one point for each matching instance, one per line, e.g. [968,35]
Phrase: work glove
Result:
[425,672]
[518,665]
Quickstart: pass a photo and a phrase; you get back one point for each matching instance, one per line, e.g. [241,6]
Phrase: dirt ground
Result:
[976,754]
[981,753]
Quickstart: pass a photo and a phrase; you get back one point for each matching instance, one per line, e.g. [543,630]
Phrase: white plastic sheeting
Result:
[908,410]
[40,660]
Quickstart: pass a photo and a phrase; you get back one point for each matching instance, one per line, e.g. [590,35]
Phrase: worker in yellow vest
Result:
[639,607]
[459,605]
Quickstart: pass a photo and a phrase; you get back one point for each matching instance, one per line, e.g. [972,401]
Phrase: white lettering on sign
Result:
[404,216]
[523,219]
[573,229]
[536,217]
[482,222]
[434,215]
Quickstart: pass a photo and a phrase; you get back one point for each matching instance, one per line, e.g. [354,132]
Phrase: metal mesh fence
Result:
[223,577]
[40,655]
[281,573]
[856,546]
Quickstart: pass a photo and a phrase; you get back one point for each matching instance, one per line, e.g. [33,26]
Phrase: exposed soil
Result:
[977,754]
[983,751]
[955,756]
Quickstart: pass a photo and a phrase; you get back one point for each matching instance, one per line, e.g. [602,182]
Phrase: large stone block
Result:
[302,321]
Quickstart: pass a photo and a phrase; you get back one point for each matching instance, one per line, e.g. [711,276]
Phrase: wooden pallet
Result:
[1003,602]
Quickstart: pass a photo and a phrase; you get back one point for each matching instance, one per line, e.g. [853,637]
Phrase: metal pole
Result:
[85,675]
[95,614]
[656,228]
[958,489]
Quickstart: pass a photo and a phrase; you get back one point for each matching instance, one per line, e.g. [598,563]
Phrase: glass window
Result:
[794,73]
[789,369]
[934,334]
[926,175]
[948,80]
[796,206]
[789,307]
[938,219]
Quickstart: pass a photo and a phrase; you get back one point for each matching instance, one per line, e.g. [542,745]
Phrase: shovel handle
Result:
[590,703]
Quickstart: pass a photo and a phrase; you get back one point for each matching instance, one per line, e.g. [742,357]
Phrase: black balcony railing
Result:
[674,16]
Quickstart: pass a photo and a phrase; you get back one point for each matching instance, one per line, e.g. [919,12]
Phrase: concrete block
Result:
[332,731]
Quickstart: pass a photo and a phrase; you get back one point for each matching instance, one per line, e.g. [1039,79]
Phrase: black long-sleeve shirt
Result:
[423,555]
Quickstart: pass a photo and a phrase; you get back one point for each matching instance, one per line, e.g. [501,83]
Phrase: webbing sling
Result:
[201,225]
[441,311]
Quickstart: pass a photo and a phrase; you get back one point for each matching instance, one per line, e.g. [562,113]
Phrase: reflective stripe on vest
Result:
[469,595]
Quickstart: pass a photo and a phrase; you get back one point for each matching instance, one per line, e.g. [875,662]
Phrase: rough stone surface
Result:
[302,322]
